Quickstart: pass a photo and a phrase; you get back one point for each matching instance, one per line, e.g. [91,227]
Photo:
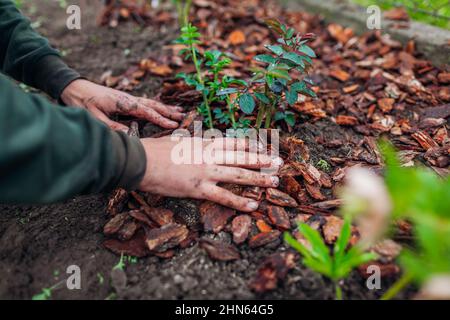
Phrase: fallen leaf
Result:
[219,250]
[161,70]
[214,216]
[351,89]
[263,226]
[387,250]
[113,226]
[339,33]
[386,104]
[399,14]
[314,191]
[240,227]
[279,217]
[346,120]
[128,230]
[424,140]
[135,247]
[332,229]
[273,270]
[280,198]
[117,201]
[340,75]
[166,237]
[264,238]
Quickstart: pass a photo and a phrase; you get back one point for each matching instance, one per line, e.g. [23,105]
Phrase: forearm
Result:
[27,57]
[50,154]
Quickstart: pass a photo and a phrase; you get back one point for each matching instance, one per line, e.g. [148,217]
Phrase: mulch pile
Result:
[370,83]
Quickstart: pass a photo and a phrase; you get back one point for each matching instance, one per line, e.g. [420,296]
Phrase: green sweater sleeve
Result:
[27,57]
[49,154]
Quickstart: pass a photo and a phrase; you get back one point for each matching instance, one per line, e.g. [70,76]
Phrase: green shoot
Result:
[45,294]
[190,37]
[323,165]
[100,278]
[316,254]
[121,264]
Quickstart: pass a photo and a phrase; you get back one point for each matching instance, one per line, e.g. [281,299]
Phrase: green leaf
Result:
[44,295]
[290,33]
[295,58]
[247,103]
[266,58]
[291,97]
[308,51]
[305,252]
[262,97]
[275,25]
[298,86]
[290,119]
[319,249]
[280,73]
[342,242]
[278,50]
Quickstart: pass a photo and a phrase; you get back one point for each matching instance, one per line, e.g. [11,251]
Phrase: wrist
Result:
[75,93]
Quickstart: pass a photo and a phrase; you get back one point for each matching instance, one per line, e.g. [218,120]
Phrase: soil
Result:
[38,243]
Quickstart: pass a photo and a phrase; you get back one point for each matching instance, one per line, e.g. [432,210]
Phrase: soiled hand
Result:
[166,176]
[103,102]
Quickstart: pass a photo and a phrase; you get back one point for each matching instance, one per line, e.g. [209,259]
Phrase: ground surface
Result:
[38,243]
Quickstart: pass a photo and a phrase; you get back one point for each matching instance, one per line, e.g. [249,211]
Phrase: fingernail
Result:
[275,181]
[253,205]
[277,161]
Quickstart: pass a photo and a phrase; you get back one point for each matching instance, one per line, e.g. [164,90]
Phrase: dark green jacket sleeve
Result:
[28,57]
[49,154]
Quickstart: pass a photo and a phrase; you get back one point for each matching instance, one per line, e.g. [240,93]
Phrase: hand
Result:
[102,102]
[199,181]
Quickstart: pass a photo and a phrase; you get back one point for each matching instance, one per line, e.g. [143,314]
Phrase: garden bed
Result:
[39,243]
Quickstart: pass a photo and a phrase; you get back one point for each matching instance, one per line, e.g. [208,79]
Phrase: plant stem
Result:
[268,117]
[338,291]
[399,285]
[200,80]
[231,111]
[269,113]
[259,117]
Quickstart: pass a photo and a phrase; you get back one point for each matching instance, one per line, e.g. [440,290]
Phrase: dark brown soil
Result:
[38,243]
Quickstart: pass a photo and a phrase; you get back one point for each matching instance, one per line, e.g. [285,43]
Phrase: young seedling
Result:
[190,37]
[209,80]
[46,293]
[283,78]
[323,165]
[123,260]
[316,254]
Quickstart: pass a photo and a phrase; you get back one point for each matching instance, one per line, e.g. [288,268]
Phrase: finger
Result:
[154,117]
[116,126]
[229,199]
[165,110]
[239,159]
[242,177]
[232,144]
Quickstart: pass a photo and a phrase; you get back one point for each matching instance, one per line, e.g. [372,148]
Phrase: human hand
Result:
[166,177]
[102,102]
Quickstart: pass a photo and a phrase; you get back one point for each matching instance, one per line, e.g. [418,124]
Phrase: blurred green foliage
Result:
[422,197]
[434,12]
